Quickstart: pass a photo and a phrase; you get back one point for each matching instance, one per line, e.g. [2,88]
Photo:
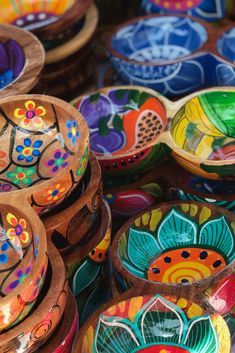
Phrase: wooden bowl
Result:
[21,61]
[151,323]
[45,143]
[30,334]
[125,123]
[47,19]
[23,261]
[75,219]
[63,338]
[180,248]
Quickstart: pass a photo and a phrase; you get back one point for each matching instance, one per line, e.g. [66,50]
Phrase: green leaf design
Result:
[94,97]
[120,93]
[177,230]
[85,275]
[103,126]
[216,234]
[142,247]
[222,170]
[153,189]
[132,269]
[118,123]
[143,97]
[201,336]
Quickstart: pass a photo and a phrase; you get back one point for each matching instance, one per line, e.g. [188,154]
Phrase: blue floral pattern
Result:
[29,150]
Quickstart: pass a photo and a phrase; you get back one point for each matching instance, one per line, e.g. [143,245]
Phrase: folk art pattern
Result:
[156,325]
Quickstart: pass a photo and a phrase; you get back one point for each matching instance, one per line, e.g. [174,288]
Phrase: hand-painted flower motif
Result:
[83,164]
[56,193]
[179,251]
[2,157]
[21,175]
[73,133]
[18,233]
[59,161]
[31,116]
[156,325]
[5,187]
[20,276]
[3,255]
[28,150]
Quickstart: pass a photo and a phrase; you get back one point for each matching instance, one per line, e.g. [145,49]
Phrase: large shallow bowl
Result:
[44,142]
[180,248]
[23,261]
[21,61]
[30,334]
[153,324]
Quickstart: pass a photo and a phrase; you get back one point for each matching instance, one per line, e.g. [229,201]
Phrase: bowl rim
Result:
[204,47]
[168,288]
[34,60]
[58,286]
[77,155]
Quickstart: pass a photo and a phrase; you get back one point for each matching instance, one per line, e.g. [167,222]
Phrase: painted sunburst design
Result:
[156,325]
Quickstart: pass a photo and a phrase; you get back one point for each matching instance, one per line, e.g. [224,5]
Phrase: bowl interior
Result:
[159,39]
[179,243]
[38,141]
[205,126]
[122,121]
[226,45]
[155,324]
[18,248]
[30,14]
[12,61]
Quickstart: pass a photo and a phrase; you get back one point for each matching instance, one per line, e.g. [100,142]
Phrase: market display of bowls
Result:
[174,55]
[21,61]
[151,323]
[208,10]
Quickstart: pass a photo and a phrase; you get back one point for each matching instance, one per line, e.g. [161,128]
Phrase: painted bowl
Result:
[125,125]
[30,334]
[50,19]
[21,61]
[44,147]
[176,248]
[210,11]
[23,262]
[76,216]
[63,338]
[153,324]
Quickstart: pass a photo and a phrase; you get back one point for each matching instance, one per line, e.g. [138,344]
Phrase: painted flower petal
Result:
[84,276]
[19,148]
[40,110]
[29,171]
[22,222]
[37,122]
[217,235]
[201,336]
[176,230]
[132,269]
[27,142]
[161,321]
[29,105]
[37,144]
[115,336]
[24,237]
[19,113]
[11,219]
[26,122]
[142,247]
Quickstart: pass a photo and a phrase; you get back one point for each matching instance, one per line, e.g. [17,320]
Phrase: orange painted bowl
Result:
[151,323]
[180,248]
[44,148]
[23,262]
[71,222]
[125,124]
[22,59]
[50,19]
[30,334]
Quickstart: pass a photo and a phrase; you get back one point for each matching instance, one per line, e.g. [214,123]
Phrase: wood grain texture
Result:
[34,60]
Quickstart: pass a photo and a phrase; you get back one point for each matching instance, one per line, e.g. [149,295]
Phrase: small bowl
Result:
[177,248]
[125,124]
[153,324]
[30,334]
[208,10]
[47,19]
[45,143]
[23,262]
[21,61]
[70,225]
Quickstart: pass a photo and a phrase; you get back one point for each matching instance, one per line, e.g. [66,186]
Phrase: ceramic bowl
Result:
[44,148]
[70,225]
[152,324]
[21,61]
[180,248]
[23,262]
[30,334]
[63,338]
[210,11]
[125,124]
[47,19]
